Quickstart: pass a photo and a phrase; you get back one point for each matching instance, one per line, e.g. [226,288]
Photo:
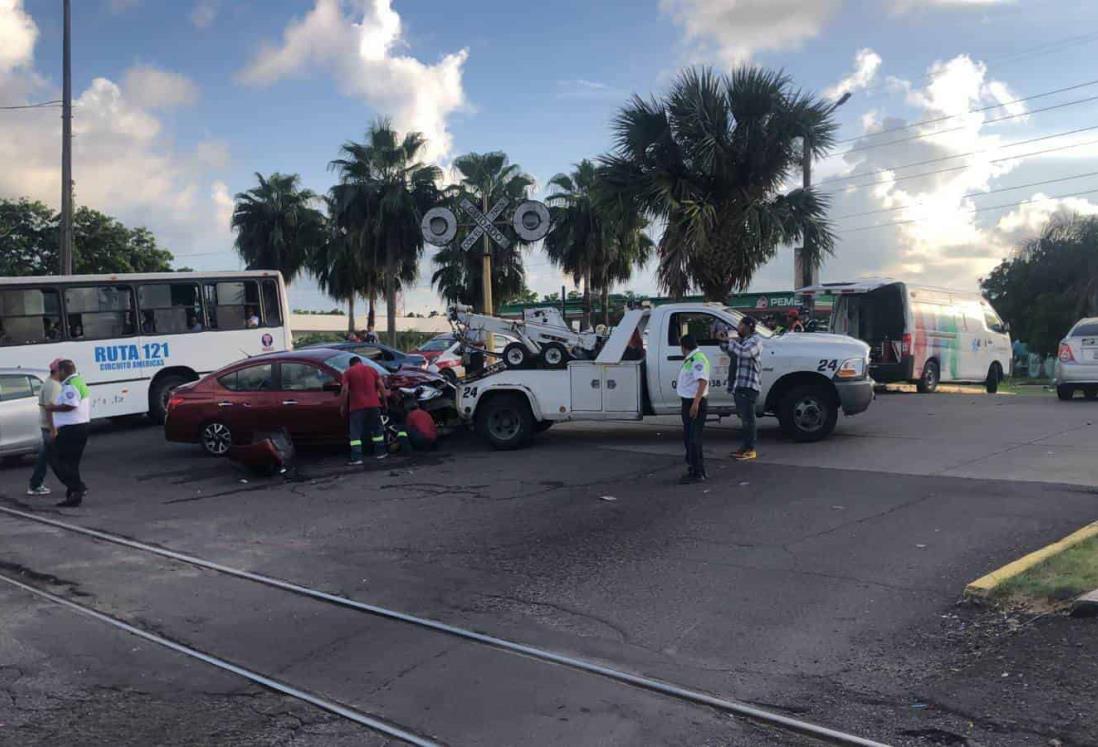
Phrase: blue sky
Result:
[180,102]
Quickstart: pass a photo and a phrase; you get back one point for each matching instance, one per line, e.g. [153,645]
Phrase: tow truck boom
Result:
[540,339]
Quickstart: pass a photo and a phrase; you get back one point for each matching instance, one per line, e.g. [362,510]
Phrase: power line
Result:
[966,155]
[972,194]
[970,111]
[871,146]
[976,210]
[39,105]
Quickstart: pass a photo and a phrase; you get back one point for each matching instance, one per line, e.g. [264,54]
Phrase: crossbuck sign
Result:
[530,222]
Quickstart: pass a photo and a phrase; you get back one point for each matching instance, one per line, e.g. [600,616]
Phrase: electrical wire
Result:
[39,105]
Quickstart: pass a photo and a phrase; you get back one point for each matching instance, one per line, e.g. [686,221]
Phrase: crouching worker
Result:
[362,399]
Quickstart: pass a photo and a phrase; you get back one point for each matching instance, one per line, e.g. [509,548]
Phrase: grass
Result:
[1056,581]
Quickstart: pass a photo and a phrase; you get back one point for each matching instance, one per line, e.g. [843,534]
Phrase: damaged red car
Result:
[295,390]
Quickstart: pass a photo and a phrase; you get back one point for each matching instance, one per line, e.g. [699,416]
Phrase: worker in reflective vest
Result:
[693,388]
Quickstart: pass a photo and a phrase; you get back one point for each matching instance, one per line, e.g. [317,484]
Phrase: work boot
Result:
[72,501]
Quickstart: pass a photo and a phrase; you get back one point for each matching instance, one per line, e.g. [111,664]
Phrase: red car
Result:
[296,390]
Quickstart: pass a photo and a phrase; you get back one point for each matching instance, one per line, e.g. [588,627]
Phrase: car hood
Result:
[413,377]
[821,341]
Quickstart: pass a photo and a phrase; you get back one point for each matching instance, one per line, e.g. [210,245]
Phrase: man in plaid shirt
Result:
[746,353]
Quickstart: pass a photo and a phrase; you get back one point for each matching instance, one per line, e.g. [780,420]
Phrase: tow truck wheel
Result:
[928,382]
[506,421]
[808,413]
[516,355]
[553,355]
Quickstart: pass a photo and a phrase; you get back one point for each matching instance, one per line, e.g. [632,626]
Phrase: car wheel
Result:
[516,355]
[216,438]
[506,421]
[1091,392]
[994,376]
[932,376]
[1065,392]
[808,413]
[161,392]
[553,355]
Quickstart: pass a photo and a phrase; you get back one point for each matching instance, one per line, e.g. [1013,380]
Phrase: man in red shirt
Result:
[362,399]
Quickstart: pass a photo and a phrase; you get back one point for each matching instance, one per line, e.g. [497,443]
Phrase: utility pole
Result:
[804,272]
[486,269]
[66,148]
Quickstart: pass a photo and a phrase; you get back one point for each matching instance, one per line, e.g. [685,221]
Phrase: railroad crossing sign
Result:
[484,223]
[530,222]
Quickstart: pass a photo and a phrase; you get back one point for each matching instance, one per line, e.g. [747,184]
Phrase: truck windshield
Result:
[760,328]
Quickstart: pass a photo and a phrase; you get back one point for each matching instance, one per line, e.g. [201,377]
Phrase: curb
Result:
[1086,605]
[979,589]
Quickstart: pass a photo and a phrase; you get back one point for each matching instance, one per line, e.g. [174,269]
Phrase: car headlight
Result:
[851,369]
[427,392]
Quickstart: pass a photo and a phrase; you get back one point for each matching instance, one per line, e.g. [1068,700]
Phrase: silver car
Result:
[20,432]
[1077,368]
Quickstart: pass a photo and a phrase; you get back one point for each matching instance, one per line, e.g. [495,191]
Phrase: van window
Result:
[168,308]
[993,322]
[29,316]
[100,312]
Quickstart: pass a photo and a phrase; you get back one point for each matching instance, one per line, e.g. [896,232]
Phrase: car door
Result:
[309,400]
[20,429]
[245,402]
[708,330]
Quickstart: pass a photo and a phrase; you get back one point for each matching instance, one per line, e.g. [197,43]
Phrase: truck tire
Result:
[554,355]
[516,355]
[159,394]
[506,421]
[1065,392]
[808,413]
[994,376]
[932,376]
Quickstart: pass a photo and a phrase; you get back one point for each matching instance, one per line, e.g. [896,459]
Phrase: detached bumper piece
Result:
[271,453]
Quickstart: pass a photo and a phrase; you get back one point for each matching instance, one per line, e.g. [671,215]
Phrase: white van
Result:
[920,334]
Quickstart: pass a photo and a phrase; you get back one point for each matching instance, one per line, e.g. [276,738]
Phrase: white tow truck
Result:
[807,378]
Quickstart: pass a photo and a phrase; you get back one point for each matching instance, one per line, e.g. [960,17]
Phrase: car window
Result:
[436,345]
[251,379]
[1085,329]
[372,352]
[303,377]
[341,362]
[15,386]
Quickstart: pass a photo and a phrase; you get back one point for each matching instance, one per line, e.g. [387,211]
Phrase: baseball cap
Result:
[55,364]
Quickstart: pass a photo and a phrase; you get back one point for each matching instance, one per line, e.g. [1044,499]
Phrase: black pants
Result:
[692,429]
[67,451]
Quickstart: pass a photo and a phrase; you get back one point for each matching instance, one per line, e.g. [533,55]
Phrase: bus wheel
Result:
[161,392]
[928,382]
[216,439]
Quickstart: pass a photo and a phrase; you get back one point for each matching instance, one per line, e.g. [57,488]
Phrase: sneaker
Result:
[72,501]
[382,455]
[40,490]
[746,455]
[354,463]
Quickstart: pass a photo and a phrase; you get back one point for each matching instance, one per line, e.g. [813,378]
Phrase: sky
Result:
[178,103]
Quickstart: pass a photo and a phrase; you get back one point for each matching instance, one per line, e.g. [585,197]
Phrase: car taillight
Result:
[907,344]
[174,402]
[1066,356]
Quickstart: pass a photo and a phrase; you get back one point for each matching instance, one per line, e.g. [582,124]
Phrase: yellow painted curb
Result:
[982,587]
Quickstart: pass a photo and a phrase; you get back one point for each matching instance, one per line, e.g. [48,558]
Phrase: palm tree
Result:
[338,267]
[485,178]
[277,226]
[382,195]
[709,161]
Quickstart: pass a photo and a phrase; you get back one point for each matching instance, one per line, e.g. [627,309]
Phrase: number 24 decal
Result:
[469,391]
[827,365]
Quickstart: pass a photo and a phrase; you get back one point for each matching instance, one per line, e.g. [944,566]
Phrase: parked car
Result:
[1077,368]
[20,432]
[296,390]
[391,358]
[444,356]
[436,346]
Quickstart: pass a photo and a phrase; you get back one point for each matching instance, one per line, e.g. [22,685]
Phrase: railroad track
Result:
[407,734]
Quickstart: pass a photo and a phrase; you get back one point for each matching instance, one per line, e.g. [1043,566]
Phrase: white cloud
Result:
[913,4]
[588,90]
[18,33]
[866,64]
[733,30]
[153,88]
[359,50]
[205,13]
[213,153]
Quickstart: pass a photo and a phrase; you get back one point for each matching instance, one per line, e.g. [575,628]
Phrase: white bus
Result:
[135,337]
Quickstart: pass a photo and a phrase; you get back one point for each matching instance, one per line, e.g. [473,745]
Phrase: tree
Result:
[485,178]
[277,225]
[524,296]
[708,161]
[337,266]
[1050,283]
[380,200]
[101,244]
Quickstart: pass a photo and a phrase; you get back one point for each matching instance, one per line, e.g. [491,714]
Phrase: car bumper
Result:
[1077,373]
[855,396]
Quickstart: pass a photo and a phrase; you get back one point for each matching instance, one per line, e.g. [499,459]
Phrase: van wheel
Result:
[808,413]
[932,376]
[516,355]
[161,392]
[1065,392]
[506,421]
[994,376]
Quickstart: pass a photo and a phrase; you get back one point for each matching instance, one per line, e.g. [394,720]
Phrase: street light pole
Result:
[806,273]
[66,147]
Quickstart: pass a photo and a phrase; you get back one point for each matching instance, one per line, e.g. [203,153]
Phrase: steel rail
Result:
[332,707]
[735,707]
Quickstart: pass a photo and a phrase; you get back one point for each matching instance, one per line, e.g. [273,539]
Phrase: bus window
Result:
[100,312]
[272,308]
[29,316]
[233,305]
[170,308]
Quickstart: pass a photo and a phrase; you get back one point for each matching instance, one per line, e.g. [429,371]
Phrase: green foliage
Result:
[101,245]
[708,160]
[1059,579]
[524,296]
[277,225]
[1049,284]
[405,340]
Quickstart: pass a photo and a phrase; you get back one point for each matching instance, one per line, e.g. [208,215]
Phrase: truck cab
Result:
[807,379]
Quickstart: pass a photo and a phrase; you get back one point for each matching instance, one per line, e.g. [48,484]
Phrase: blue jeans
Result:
[745,408]
[363,422]
[42,463]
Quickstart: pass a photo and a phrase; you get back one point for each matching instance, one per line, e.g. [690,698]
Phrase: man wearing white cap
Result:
[71,415]
[50,390]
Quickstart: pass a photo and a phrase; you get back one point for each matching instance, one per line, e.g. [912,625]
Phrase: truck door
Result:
[708,330]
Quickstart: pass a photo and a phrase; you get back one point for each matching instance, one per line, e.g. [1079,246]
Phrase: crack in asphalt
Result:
[862,520]
[621,633]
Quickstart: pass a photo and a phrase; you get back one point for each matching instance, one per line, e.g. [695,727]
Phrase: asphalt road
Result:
[821,582]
